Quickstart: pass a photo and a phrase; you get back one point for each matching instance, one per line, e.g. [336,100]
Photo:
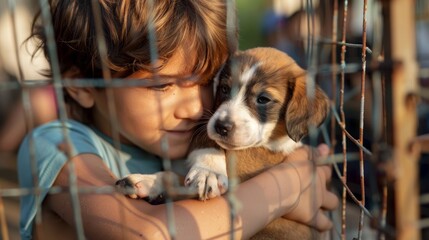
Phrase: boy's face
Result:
[146,115]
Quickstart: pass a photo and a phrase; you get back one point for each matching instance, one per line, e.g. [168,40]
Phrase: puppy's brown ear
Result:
[303,112]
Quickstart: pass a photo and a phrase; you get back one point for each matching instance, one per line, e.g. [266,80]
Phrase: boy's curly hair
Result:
[196,24]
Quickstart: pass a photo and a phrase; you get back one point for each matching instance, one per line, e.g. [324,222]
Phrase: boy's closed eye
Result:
[161,87]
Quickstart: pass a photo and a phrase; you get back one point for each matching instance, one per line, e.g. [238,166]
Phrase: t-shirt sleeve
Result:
[40,161]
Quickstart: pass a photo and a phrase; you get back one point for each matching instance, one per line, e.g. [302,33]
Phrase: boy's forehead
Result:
[180,66]
[181,63]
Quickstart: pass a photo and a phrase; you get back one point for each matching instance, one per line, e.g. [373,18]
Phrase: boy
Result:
[191,44]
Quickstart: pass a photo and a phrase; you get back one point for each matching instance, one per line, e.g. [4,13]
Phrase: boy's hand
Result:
[314,197]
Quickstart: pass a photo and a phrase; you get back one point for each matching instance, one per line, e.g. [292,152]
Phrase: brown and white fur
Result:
[262,113]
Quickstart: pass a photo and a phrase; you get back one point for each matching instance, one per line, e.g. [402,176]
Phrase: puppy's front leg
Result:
[144,185]
[207,174]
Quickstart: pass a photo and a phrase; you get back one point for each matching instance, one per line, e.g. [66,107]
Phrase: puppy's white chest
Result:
[284,145]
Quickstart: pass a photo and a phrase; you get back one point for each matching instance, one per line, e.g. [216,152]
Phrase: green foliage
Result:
[250,15]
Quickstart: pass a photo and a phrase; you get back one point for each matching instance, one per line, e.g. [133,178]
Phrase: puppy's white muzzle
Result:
[233,127]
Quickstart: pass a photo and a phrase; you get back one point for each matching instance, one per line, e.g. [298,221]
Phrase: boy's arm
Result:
[263,198]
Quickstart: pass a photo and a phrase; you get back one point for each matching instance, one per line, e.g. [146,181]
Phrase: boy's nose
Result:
[189,103]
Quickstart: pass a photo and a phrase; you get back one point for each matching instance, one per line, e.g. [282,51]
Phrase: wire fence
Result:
[369,57]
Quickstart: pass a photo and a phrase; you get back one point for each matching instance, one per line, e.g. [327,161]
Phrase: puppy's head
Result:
[261,100]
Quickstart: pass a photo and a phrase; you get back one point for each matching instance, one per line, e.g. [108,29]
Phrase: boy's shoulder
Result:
[40,151]
[58,125]
[47,137]
[57,132]
[44,140]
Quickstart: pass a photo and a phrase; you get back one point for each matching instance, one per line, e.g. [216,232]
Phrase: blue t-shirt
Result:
[50,160]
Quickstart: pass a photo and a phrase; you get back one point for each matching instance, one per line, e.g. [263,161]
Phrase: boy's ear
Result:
[303,112]
[84,96]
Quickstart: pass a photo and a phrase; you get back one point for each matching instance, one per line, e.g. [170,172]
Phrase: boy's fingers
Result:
[320,154]
[321,222]
[317,154]
[330,201]
[323,150]
[301,153]
[327,171]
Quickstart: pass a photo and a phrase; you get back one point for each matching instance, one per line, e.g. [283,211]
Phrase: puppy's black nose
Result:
[223,127]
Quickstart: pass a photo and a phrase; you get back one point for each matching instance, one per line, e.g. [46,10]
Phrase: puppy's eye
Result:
[263,99]
[224,89]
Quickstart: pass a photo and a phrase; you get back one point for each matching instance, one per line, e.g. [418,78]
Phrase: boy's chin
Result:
[177,154]
[178,157]
[177,151]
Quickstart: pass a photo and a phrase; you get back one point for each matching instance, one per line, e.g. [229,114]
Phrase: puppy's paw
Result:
[141,185]
[207,176]
[205,183]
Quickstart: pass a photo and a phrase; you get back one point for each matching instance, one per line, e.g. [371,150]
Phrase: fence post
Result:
[404,106]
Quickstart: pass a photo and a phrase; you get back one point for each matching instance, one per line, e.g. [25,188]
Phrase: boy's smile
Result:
[178,133]
[146,115]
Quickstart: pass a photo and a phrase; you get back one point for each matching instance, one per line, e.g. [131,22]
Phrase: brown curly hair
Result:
[197,24]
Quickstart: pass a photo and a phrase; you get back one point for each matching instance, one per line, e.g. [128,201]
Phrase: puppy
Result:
[262,113]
